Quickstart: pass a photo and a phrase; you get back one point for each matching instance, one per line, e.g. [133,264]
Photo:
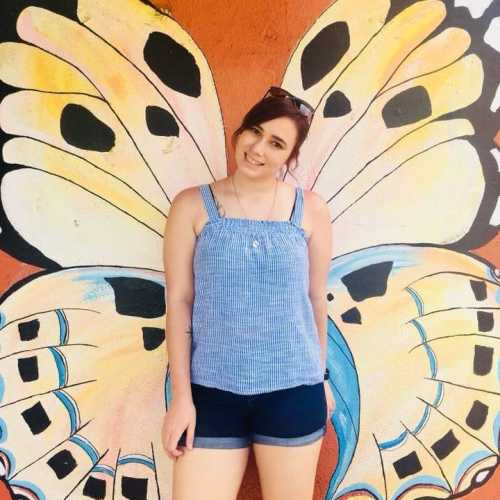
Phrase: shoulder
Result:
[186,196]
[315,203]
[185,207]
[187,202]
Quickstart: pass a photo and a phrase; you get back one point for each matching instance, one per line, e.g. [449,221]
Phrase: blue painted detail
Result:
[345,386]
[430,352]
[8,457]
[491,275]
[439,394]
[418,301]
[496,428]
[99,289]
[391,443]
[2,319]
[168,390]
[40,495]
[3,431]
[468,461]
[137,459]
[432,361]
[71,408]
[439,391]
[420,479]
[63,327]
[425,417]
[61,366]
[360,487]
[86,446]
[2,388]
[104,469]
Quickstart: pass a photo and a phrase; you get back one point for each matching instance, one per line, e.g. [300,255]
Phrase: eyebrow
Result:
[279,139]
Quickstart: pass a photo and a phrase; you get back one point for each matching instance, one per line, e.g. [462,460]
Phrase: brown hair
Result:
[275,107]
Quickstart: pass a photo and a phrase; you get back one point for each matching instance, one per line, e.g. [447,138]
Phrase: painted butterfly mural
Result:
[109,109]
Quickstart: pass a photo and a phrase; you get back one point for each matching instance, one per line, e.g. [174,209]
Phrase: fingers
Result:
[172,443]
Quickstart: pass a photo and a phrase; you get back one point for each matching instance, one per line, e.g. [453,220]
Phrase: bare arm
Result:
[179,245]
[320,245]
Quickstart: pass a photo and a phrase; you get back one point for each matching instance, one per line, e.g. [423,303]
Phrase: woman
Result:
[247,351]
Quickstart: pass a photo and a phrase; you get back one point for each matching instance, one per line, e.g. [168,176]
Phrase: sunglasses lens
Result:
[301,105]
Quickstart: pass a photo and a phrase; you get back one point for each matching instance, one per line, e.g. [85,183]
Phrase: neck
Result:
[249,186]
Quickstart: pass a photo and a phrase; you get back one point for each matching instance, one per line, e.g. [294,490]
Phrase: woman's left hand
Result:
[330,400]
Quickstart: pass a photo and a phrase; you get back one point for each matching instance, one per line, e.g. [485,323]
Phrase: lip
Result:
[250,163]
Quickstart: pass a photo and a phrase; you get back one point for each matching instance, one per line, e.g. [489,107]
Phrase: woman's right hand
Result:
[181,415]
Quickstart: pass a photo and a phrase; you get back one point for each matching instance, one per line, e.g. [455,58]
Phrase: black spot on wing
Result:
[483,359]
[337,104]
[352,316]
[324,52]
[95,488]
[161,122]
[28,368]
[152,337]
[134,488]
[485,321]
[369,281]
[407,466]
[173,64]
[330,296]
[36,418]
[28,330]
[62,463]
[138,297]
[82,129]
[409,106]
[444,446]
[479,289]
[477,415]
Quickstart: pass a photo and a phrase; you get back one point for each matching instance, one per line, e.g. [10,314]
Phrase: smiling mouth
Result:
[252,162]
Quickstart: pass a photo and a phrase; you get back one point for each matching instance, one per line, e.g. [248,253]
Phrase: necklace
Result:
[239,201]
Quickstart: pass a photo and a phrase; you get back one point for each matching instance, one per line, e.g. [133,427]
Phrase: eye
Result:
[277,145]
[255,130]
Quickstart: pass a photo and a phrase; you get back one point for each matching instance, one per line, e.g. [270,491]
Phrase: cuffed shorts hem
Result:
[219,443]
[229,443]
[295,441]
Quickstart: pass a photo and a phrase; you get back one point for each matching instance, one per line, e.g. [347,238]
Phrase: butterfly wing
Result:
[395,147]
[95,131]
[397,124]
[82,351]
[420,418]
[98,140]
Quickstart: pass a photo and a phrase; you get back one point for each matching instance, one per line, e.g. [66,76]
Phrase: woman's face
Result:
[263,149]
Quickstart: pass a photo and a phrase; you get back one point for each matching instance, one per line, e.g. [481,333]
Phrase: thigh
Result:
[287,472]
[209,474]
[288,428]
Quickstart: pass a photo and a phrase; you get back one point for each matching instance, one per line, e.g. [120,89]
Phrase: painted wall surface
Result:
[110,107]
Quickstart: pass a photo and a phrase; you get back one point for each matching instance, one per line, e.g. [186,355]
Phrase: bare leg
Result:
[209,474]
[287,472]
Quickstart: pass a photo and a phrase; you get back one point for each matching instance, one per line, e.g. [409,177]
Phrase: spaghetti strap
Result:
[298,207]
[209,202]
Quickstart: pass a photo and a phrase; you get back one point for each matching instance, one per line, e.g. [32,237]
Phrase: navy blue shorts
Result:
[287,417]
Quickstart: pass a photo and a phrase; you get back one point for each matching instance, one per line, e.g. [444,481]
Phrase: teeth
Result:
[253,162]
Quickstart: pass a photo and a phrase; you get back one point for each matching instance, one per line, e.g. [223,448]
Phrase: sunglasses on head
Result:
[303,107]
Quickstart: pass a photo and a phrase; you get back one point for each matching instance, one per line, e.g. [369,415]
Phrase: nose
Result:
[257,146]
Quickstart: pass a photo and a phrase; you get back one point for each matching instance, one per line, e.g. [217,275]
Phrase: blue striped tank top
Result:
[253,322]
